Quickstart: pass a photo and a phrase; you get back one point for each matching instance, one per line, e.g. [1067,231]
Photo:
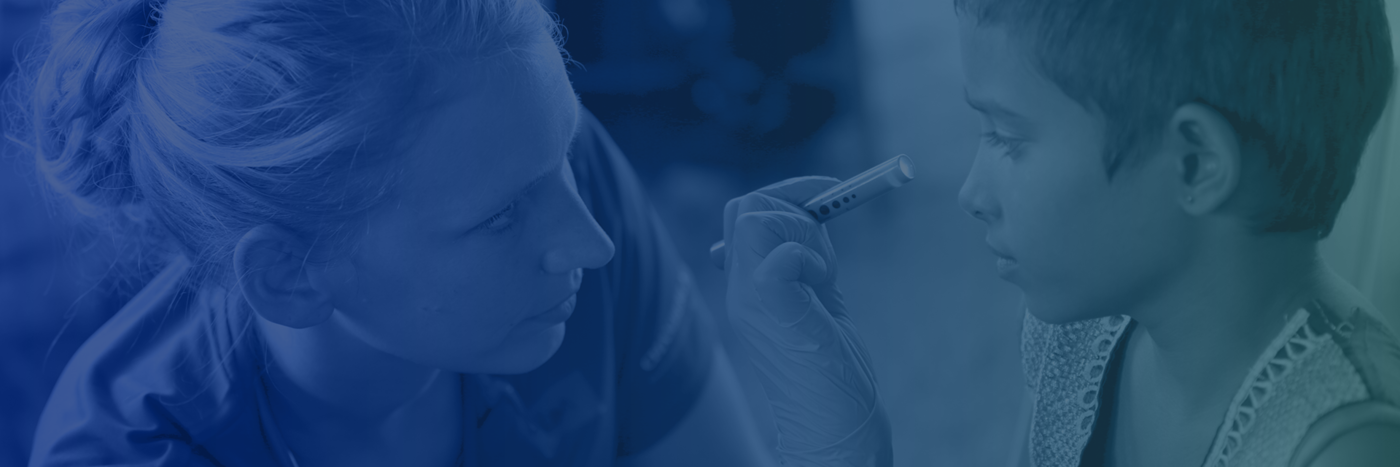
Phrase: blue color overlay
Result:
[750,233]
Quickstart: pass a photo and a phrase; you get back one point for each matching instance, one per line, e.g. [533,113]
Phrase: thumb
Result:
[786,195]
[784,281]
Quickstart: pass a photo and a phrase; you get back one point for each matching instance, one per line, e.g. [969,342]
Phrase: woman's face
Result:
[1078,243]
[473,262]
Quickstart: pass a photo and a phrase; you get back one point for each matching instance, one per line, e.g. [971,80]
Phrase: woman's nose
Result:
[580,244]
[975,197]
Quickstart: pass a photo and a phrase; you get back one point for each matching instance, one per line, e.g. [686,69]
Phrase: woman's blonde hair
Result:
[183,123]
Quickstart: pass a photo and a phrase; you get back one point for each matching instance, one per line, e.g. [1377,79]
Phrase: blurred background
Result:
[711,99]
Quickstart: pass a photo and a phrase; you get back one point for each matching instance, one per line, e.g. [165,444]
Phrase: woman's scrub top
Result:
[176,377]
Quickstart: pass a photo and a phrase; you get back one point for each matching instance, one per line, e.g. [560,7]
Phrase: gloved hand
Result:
[783,301]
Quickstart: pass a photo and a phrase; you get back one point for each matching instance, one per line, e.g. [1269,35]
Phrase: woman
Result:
[374,222]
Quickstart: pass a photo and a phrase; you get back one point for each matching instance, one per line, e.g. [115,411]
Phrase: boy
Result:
[1155,176]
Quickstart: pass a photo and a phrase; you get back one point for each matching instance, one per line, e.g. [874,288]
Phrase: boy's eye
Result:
[500,220]
[1007,144]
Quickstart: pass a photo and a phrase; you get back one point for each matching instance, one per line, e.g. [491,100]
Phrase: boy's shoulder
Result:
[1364,334]
[1368,353]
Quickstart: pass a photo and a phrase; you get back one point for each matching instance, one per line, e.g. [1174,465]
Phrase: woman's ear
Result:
[1207,155]
[270,263]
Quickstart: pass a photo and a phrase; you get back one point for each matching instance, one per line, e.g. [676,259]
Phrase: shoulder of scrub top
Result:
[166,379]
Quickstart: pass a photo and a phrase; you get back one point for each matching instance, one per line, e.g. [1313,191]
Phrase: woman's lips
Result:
[558,314]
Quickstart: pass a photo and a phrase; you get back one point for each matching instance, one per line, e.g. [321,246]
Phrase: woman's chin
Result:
[519,353]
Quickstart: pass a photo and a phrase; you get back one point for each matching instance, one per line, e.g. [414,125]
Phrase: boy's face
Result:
[1079,244]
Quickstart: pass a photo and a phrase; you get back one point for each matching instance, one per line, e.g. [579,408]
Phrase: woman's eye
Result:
[1007,144]
[501,220]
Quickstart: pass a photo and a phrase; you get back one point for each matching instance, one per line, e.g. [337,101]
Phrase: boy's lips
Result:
[1005,266]
[997,249]
[1006,263]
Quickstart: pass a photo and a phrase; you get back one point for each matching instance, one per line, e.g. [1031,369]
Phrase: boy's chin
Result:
[1058,312]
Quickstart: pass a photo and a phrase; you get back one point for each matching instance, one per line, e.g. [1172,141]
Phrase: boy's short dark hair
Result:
[1304,81]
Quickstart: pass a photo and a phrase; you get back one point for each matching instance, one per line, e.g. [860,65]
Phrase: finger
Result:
[731,214]
[784,282]
[718,254]
[792,192]
[793,262]
[753,236]
[743,205]
[752,202]
[758,233]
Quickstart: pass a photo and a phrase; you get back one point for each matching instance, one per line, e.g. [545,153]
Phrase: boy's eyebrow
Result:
[991,107]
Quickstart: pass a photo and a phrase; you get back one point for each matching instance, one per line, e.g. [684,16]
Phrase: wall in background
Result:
[1365,247]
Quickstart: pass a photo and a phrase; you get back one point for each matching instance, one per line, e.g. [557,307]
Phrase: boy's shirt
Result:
[176,377]
[1332,368]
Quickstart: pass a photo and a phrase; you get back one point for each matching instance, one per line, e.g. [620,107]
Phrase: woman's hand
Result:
[783,300]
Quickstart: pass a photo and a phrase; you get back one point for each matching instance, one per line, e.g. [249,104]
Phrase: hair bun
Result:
[80,92]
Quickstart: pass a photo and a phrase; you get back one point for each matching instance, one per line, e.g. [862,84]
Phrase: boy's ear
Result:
[271,267]
[1207,155]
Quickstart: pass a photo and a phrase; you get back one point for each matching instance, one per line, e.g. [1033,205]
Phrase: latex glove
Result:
[783,301]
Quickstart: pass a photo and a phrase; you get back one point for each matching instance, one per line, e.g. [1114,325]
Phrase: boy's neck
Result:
[1214,321]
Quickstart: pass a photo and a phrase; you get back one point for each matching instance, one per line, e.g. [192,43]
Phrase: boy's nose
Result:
[581,244]
[975,197]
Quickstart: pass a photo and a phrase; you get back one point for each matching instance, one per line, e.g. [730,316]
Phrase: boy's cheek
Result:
[1065,278]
